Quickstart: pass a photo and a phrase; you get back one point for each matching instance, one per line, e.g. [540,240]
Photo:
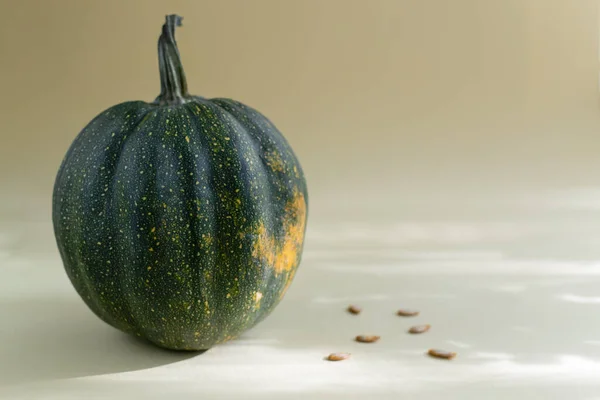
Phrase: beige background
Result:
[451,150]
[382,100]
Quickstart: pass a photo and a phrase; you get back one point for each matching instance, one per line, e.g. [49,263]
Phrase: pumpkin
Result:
[181,220]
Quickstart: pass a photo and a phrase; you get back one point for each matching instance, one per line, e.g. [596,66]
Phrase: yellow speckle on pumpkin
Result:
[207,240]
[187,139]
[274,161]
[153,230]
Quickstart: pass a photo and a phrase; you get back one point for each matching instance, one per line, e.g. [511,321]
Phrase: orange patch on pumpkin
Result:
[282,254]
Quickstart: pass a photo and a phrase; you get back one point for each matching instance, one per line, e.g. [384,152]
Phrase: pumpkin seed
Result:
[407,313]
[419,329]
[448,355]
[367,338]
[338,356]
[354,309]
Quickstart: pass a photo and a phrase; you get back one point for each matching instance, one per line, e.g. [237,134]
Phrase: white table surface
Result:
[513,287]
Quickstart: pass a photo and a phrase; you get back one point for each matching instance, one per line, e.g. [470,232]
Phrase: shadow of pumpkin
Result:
[45,339]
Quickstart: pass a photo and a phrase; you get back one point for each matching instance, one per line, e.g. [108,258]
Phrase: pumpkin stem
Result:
[173,85]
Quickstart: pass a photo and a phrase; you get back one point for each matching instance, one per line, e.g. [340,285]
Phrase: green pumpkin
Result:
[181,221]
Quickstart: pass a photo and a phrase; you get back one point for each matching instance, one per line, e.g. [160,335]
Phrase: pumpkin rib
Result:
[212,281]
[80,263]
[183,241]
[267,273]
[111,167]
[200,143]
[228,174]
[125,256]
[254,129]
[106,161]
[266,205]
